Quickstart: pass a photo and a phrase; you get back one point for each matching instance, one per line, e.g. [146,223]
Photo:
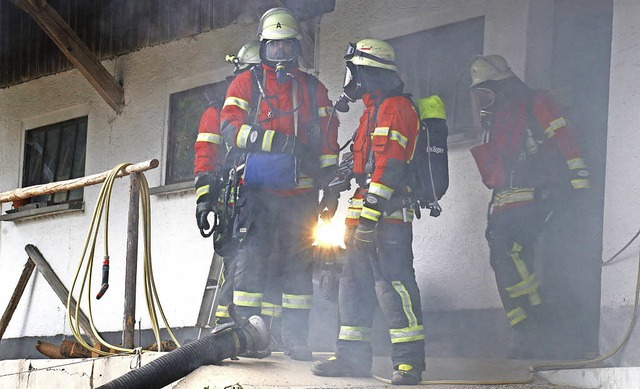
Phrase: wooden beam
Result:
[61,186]
[60,290]
[74,49]
[17,295]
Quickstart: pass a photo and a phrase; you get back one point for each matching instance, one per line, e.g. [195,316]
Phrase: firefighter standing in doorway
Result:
[211,164]
[280,117]
[379,265]
[532,162]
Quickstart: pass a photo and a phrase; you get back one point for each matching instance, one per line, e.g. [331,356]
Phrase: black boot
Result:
[335,367]
[405,374]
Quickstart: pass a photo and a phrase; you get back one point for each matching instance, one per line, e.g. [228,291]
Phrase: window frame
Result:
[69,167]
[175,180]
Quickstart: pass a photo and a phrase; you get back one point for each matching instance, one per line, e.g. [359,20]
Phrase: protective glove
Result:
[207,191]
[203,209]
[364,238]
[328,205]
[276,142]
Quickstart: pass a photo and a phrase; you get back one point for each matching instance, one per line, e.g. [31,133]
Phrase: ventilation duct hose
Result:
[251,336]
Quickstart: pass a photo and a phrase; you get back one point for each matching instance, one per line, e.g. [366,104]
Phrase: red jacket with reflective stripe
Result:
[507,142]
[393,139]
[207,146]
[238,102]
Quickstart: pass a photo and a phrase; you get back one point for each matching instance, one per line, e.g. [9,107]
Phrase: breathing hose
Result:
[86,262]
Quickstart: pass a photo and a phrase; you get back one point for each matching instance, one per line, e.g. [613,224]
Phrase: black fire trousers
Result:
[387,279]
[274,264]
[512,234]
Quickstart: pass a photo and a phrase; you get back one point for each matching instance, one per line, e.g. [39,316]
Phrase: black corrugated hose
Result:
[249,336]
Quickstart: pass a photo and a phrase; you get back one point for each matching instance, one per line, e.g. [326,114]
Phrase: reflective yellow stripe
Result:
[243,135]
[324,111]
[398,137]
[304,183]
[398,215]
[267,140]
[581,183]
[270,309]
[407,334]
[380,131]
[512,196]
[523,287]
[328,160]
[355,333]
[356,203]
[555,125]
[534,296]
[370,214]
[353,213]
[381,190]
[209,137]
[296,301]
[201,191]
[576,163]
[516,316]
[247,299]
[407,306]
[222,311]
[243,104]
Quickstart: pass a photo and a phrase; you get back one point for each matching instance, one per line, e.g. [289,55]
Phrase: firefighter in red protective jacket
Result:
[379,265]
[210,168]
[280,117]
[532,162]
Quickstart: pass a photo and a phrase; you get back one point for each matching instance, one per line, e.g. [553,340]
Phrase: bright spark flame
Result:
[330,233]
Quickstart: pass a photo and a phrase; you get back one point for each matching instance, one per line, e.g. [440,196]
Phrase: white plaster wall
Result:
[451,254]
[622,204]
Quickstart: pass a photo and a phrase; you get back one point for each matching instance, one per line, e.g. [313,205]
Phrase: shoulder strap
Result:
[256,96]
[532,119]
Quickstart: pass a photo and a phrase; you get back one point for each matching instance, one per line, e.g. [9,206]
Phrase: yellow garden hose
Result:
[151,295]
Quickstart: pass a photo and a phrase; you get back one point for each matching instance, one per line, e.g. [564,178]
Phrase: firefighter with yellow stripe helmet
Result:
[370,65]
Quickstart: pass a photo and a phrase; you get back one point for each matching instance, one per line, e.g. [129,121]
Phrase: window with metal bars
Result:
[55,153]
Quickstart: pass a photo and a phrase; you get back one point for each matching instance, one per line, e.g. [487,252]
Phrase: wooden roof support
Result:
[77,52]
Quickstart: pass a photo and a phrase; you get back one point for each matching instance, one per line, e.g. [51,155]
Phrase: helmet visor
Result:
[483,97]
[280,50]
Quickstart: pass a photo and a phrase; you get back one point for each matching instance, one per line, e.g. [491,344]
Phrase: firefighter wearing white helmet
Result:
[279,34]
[379,262]
[248,55]
[280,117]
[530,161]
[370,64]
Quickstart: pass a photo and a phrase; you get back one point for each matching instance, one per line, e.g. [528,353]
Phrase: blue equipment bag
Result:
[270,171]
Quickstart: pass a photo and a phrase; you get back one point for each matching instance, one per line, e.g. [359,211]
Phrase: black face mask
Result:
[352,90]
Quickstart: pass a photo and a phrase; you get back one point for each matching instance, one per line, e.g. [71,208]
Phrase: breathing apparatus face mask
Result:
[352,90]
[485,99]
[282,54]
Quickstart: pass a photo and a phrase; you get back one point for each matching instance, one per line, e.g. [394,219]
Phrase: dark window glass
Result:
[437,62]
[55,153]
[185,110]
